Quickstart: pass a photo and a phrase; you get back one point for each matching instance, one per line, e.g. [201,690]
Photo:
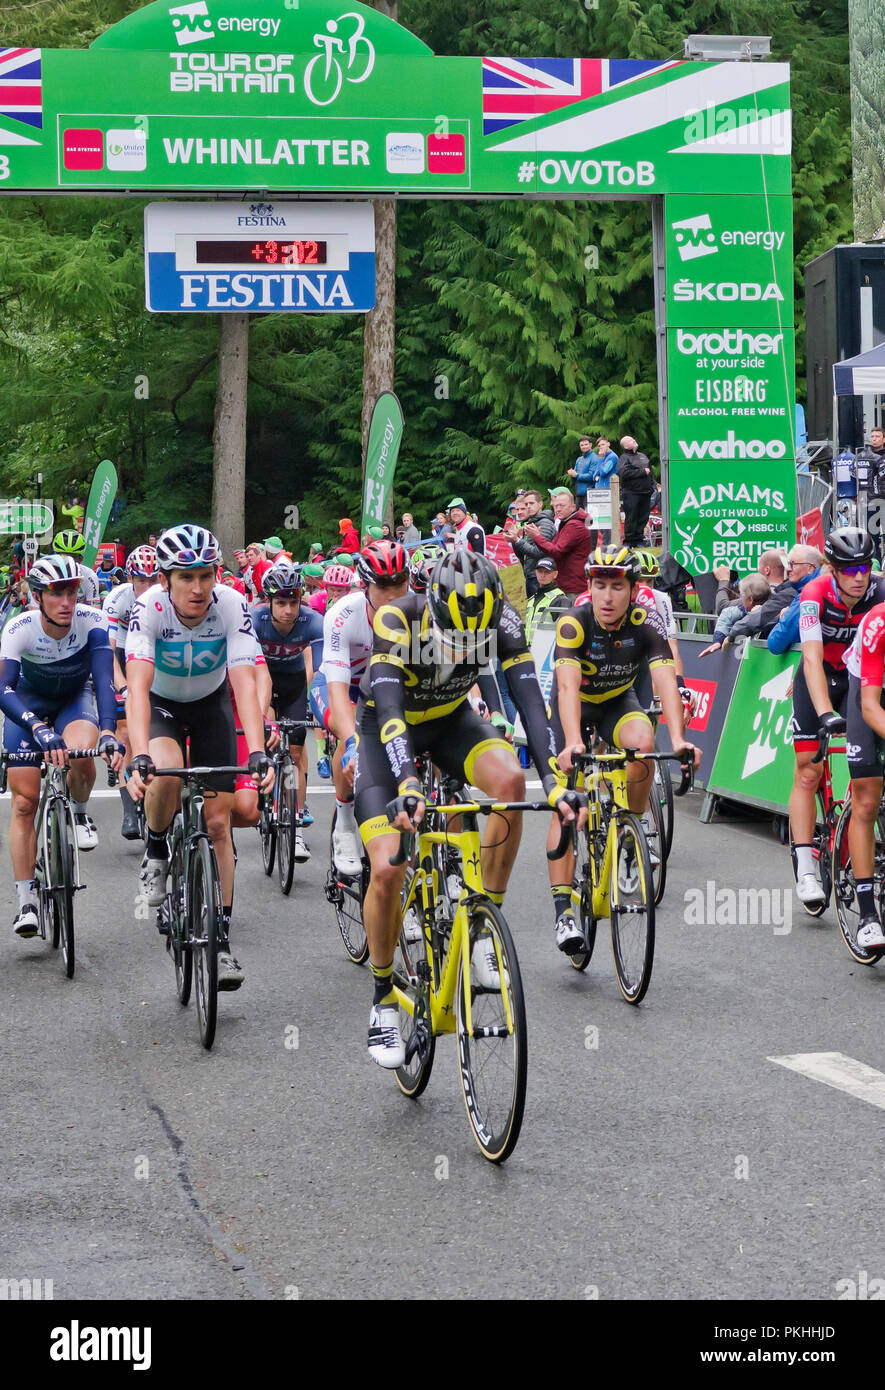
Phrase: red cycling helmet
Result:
[382,562]
[142,563]
[338,577]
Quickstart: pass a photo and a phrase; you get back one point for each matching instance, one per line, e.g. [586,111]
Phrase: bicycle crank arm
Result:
[497,1032]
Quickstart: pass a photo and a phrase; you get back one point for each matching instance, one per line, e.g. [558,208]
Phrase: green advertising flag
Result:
[385,434]
[98,508]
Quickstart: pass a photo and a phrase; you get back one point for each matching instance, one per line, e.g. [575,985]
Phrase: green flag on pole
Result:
[385,434]
[98,508]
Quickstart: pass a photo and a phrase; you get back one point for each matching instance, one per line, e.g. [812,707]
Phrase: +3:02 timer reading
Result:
[261,252]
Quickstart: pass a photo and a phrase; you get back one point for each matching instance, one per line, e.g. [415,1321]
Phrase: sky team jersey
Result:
[53,668]
[347,639]
[191,662]
[117,606]
[284,654]
[609,659]
[824,617]
[865,657]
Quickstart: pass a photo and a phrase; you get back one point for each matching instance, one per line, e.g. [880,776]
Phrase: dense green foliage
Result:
[511,339]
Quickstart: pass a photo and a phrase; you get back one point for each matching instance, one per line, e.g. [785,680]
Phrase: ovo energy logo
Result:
[695,237]
[200,27]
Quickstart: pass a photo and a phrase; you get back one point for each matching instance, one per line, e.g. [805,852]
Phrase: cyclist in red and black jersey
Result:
[865,660]
[830,610]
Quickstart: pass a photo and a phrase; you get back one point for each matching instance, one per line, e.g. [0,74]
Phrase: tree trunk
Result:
[379,334]
[229,435]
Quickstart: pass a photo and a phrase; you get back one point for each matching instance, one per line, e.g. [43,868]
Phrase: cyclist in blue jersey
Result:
[291,638]
[55,665]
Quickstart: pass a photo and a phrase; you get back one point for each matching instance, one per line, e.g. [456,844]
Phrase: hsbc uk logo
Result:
[695,237]
[729,527]
[200,26]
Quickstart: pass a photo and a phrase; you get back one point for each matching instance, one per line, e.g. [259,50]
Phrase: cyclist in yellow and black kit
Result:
[601,646]
[426,657]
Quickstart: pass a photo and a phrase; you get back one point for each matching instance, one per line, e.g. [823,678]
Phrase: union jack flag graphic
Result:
[519,89]
[21,88]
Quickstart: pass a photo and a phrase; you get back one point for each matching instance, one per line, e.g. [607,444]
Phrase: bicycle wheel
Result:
[61,879]
[267,829]
[174,909]
[346,895]
[663,788]
[584,885]
[287,825]
[632,909]
[410,963]
[657,849]
[845,890]
[493,1052]
[204,924]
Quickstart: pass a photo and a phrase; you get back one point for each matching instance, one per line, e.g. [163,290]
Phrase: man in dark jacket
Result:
[534,514]
[570,546]
[637,490]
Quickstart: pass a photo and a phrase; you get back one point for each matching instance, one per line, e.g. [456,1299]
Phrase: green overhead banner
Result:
[385,434]
[264,100]
[98,508]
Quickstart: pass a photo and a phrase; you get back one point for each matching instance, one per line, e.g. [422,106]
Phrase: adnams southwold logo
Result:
[717,495]
[695,237]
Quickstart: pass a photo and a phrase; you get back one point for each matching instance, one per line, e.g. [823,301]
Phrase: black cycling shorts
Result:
[605,719]
[806,720]
[289,700]
[454,742]
[205,726]
[865,749]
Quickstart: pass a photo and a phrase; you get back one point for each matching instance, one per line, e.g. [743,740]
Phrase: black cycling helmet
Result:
[465,593]
[848,545]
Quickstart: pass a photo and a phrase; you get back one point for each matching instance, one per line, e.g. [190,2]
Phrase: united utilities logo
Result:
[695,237]
[192,23]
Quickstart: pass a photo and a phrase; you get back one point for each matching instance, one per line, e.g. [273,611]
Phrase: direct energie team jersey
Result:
[824,616]
[653,601]
[609,659]
[191,662]
[284,653]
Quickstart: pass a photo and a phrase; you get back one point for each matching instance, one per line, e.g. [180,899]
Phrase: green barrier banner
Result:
[385,434]
[98,508]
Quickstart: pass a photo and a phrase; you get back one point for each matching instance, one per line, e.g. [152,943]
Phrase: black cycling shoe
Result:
[129,829]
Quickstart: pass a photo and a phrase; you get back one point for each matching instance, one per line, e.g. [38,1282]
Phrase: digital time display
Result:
[261,252]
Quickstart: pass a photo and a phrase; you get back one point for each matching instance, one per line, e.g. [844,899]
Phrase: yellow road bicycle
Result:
[462,975]
[614,877]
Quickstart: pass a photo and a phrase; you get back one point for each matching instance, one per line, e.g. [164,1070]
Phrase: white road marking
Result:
[844,1073]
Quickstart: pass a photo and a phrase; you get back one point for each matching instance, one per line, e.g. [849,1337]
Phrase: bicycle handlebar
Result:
[824,747]
[633,755]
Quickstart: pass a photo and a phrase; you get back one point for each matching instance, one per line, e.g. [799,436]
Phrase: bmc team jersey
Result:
[284,653]
[824,617]
[609,659]
[347,639]
[865,657]
[56,669]
[191,662]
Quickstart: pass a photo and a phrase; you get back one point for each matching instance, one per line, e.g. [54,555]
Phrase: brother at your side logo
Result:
[83,149]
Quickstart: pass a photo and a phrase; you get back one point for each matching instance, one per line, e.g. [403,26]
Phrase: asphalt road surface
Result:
[663,1153]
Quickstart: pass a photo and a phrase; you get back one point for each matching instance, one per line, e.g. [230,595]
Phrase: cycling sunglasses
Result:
[853,570]
[190,559]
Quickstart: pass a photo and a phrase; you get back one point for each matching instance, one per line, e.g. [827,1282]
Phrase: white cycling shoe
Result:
[386,1046]
[569,937]
[152,881]
[412,928]
[870,935]
[27,922]
[484,972]
[808,890]
[346,853]
[300,853]
[87,835]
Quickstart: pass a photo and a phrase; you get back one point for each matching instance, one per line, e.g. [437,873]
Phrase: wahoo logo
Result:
[733,448]
[729,526]
[695,237]
[195,32]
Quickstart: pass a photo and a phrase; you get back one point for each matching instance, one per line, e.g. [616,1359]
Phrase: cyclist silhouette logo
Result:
[324,75]
[689,555]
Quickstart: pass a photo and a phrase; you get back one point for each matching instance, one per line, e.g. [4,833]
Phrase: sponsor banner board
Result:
[31,518]
[713,680]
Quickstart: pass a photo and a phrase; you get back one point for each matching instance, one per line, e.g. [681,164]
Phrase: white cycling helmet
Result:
[51,570]
[187,547]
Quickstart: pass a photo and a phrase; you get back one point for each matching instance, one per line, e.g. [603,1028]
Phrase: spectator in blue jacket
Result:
[803,563]
[754,591]
[593,468]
